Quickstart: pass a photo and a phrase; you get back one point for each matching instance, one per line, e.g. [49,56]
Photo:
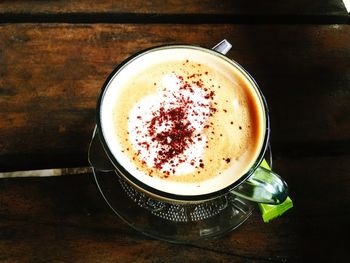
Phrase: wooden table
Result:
[54,58]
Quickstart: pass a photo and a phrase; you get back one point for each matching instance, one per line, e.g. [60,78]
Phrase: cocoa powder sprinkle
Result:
[178,134]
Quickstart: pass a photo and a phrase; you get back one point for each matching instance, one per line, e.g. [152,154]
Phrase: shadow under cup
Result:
[106,102]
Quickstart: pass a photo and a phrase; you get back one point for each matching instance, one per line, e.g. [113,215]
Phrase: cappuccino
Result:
[183,121]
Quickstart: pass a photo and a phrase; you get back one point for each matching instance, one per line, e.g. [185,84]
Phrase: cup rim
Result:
[156,192]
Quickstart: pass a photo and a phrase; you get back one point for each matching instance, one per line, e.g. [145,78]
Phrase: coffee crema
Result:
[190,124]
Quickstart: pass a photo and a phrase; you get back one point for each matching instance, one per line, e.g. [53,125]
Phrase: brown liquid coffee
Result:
[187,122]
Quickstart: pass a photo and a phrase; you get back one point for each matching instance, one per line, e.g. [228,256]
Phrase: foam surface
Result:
[169,96]
[128,96]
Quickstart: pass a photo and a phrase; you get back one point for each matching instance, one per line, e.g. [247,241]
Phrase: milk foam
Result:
[170,96]
[133,83]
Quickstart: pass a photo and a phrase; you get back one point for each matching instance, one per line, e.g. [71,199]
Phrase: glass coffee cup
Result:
[179,214]
[257,184]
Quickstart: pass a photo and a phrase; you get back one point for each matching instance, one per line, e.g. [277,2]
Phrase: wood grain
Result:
[175,11]
[64,219]
[268,7]
[51,74]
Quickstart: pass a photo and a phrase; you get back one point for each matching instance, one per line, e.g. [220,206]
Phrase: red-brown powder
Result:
[176,139]
[178,133]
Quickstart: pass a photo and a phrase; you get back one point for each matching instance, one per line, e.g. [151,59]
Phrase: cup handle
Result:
[263,186]
[97,157]
[223,47]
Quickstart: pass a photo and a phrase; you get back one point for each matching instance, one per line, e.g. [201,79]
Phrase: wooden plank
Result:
[190,11]
[327,7]
[64,219]
[51,74]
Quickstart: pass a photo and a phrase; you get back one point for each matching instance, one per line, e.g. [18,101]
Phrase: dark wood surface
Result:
[54,57]
[176,11]
[326,7]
